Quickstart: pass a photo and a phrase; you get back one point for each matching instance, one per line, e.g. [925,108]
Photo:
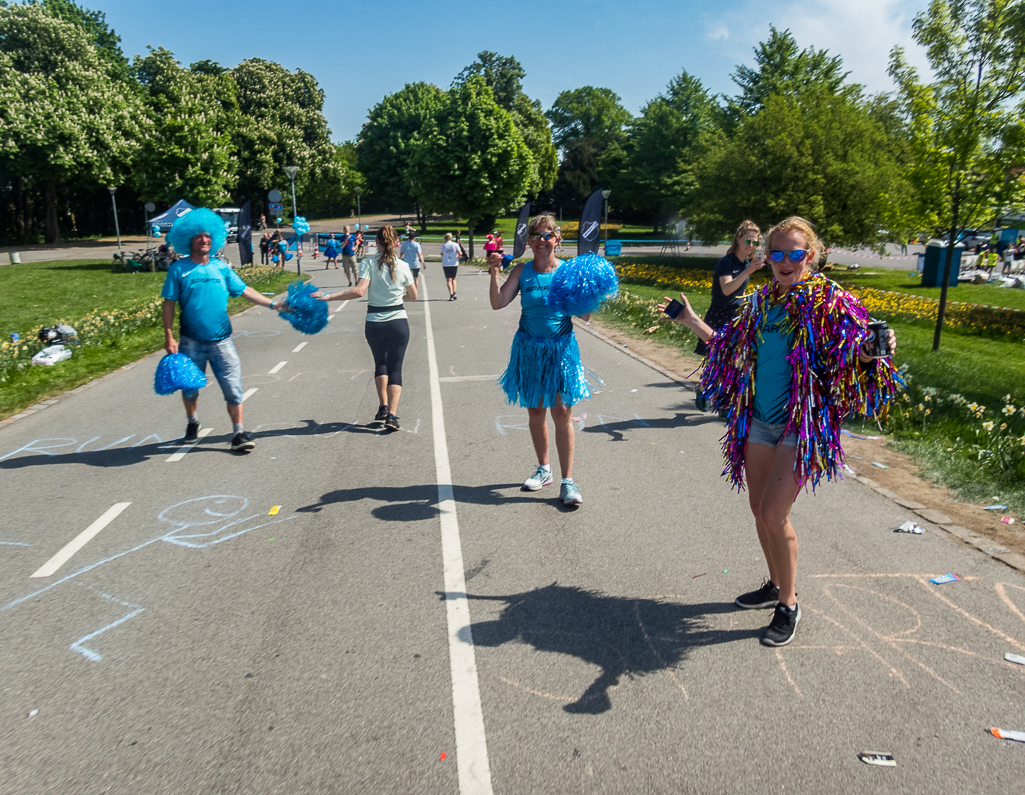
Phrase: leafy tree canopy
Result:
[587,112]
[503,75]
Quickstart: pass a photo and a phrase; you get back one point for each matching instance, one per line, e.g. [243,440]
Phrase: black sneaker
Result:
[191,433]
[700,402]
[392,423]
[242,443]
[766,596]
[382,414]
[455,297]
[783,625]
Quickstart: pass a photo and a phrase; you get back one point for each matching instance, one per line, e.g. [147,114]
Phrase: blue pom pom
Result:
[580,285]
[177,371]
[307,315]
[191,224]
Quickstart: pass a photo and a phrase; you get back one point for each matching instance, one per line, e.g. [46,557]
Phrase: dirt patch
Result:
[900,478]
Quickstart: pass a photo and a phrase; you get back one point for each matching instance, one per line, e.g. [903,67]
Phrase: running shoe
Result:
[455,297]
[191,433]
[242,443]
[766,596]
[783,625]
[392,423]
[569,493]
[382,414]
[542,477]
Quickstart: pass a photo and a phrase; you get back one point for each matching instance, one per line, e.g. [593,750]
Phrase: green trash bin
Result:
[935,257]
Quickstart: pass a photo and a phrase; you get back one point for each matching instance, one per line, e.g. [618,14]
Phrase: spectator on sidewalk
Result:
[331,253]
[202,286]
[264,249]
[349,255]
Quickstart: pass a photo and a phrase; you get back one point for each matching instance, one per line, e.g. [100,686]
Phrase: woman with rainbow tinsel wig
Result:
[544,372]
[785,373]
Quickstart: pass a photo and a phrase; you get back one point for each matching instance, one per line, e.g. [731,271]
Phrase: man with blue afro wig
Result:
[202,286]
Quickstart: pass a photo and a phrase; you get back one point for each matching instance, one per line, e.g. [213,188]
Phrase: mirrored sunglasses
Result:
[752,241]
[797,255]
[545,236]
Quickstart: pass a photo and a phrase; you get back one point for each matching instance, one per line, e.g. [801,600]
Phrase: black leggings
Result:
[388,341]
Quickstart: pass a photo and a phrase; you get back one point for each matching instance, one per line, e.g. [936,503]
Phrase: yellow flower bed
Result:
[572,228]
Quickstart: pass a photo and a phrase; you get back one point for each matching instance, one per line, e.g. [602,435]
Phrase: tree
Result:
[334,195]
[187,151]
[578,173]
[782,68]
[281,124]
[66,118]
[469,159]
[384,144]
[818,154]
[587,112]
[966,135]
[94,25]
[504,76]
[652,171]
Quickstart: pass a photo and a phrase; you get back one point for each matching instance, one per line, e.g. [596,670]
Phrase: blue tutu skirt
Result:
[542,369]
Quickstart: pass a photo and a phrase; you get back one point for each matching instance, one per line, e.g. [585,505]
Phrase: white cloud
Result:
[718,33]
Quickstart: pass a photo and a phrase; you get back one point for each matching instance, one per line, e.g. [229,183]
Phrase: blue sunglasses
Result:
[546,236]
[797,255]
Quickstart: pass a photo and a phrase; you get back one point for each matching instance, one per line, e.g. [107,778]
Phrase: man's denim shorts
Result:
[770,434]
[224,362]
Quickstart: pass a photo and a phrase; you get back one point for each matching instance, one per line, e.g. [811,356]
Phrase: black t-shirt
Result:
[729,265]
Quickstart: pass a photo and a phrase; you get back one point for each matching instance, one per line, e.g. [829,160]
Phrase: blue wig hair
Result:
[196,222]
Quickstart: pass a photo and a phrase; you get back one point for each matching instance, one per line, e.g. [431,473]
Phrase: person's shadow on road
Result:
[623,636]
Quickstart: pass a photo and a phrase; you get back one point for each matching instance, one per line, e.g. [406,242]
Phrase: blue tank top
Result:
[536,319]
[773,372]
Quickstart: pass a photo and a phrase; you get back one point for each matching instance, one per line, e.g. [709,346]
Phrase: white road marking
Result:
[276,367]
[341,306]
[80,540]
[330,318]
[471,744]
[299,347]
[186,447]
[451,379]
[249,393]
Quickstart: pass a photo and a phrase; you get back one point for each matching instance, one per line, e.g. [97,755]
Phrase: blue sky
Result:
[359,52]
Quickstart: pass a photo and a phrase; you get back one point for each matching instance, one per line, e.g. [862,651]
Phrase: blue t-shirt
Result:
[203,291]
[536,319]
[773,372]
[347,246]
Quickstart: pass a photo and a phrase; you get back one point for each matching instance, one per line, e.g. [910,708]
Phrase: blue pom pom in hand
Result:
[307,315]
[177,371]
[580,285]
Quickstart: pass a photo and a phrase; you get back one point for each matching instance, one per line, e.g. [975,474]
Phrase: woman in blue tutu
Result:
[544,372]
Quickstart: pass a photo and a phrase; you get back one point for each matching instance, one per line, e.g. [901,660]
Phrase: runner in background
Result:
[412,254]
[450,252]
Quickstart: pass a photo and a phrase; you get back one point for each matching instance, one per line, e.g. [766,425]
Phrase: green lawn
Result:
[40,294]
[904,282]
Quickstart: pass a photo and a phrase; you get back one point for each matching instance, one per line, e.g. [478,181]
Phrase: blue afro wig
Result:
[196,222]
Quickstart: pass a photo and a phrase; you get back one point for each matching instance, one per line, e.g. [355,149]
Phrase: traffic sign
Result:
[277,208]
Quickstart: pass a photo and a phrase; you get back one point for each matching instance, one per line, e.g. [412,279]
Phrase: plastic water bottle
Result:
[14,336]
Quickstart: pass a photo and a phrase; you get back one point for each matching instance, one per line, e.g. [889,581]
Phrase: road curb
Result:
[935,518]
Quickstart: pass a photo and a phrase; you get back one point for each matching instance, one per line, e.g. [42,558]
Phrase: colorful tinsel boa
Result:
[829,382]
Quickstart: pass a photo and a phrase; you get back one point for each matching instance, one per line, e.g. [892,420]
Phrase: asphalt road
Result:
[408,620]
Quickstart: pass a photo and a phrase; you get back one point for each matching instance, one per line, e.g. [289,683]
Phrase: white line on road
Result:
[299,347]
[186,447]
[249,393]
[276,367]
[471,744]
[80,540]
[452,379]
[341,306]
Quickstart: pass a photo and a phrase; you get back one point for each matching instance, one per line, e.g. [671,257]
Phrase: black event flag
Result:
[245,236]
[520,244]
[590,225]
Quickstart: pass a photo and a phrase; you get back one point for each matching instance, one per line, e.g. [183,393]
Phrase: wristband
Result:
[271,305]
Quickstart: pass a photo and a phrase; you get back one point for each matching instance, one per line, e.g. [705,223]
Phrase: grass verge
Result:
[121,323]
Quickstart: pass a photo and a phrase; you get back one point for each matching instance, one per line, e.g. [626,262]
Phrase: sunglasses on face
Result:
[546,236]
[751,241]
[797,255]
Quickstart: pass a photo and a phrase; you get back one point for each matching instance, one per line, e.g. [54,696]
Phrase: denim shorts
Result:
[224,362]
[770,434]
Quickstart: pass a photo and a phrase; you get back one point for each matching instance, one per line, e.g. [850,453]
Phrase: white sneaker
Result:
[542,477]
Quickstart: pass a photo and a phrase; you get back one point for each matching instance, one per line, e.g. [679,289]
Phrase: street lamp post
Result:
[292,171]
[359,210]
[605,195]
[117,227]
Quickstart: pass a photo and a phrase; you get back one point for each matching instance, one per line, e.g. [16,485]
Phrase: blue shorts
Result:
[224,362]
[770,434]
